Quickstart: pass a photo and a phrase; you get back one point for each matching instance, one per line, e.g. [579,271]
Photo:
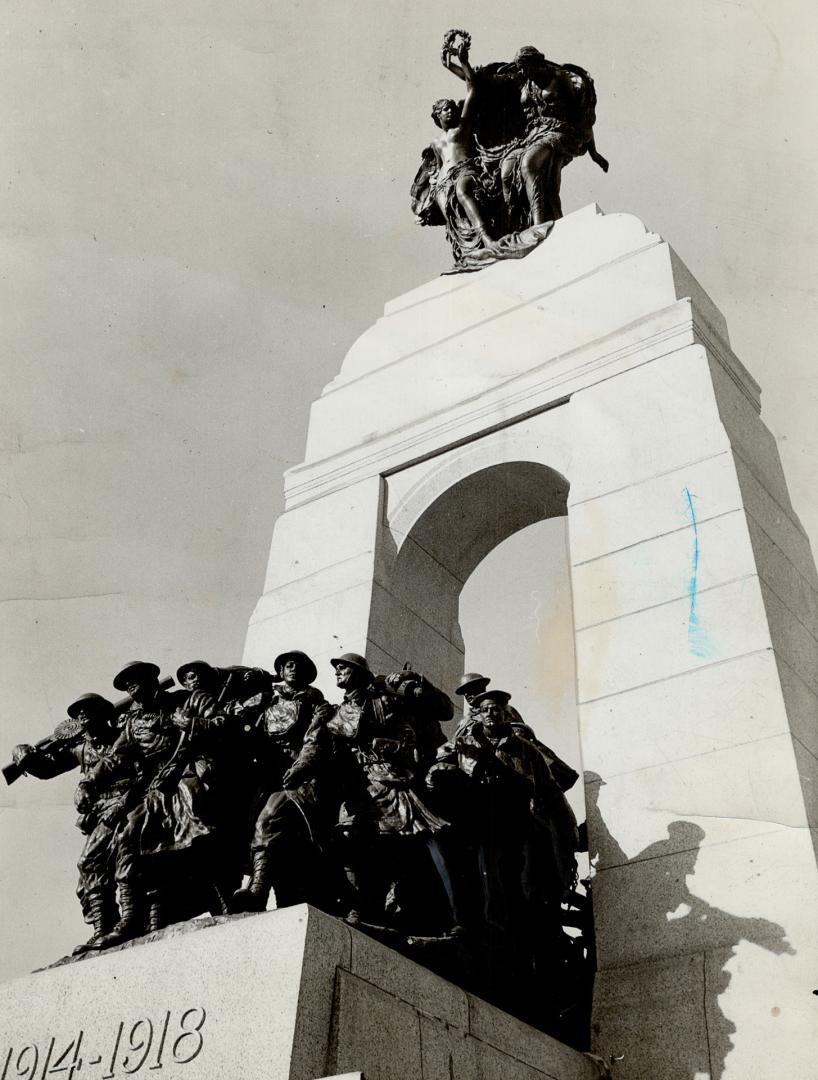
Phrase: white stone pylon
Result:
[595,378]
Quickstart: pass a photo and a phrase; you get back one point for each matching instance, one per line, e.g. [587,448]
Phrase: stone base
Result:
[285,995]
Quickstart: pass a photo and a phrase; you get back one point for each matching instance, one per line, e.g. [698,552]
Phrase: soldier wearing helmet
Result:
[377,741]
[101,803]
[287,819]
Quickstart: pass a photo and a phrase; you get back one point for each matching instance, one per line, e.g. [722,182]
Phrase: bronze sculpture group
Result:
[492,176]
[242,782]
[363,808]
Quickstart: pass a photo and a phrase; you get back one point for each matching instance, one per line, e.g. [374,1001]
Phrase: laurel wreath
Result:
[450,38]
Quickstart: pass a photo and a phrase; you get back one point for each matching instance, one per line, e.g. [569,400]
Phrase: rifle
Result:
[68,733]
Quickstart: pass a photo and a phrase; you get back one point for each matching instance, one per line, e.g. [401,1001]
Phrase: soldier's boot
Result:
[130,923]
[221,902]
[100,911]
[157,916]
[254,896]
[364,895]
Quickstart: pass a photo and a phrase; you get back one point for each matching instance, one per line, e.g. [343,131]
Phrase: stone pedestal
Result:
[287,995]
[595,378]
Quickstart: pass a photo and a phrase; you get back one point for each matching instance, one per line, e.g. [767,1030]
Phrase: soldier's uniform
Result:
[173,829]
[241,693]
[289,821]
[101,799]
[523,829]
[101,823]
[378,749]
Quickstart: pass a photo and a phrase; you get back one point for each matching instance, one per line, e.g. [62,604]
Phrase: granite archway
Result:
[694,592]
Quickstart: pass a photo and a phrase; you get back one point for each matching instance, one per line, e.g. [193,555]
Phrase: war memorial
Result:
[383,882]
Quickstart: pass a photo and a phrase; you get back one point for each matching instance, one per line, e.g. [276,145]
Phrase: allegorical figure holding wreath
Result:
[452,187]
[520,124]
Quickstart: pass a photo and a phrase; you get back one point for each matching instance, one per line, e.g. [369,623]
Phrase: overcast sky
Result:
[204,204]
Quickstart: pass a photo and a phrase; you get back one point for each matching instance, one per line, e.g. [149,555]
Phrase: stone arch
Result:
[600,356]
[433,541]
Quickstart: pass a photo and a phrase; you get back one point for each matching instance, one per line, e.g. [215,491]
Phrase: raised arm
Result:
[448,61]
[467,74]
[457,43]
[465,65]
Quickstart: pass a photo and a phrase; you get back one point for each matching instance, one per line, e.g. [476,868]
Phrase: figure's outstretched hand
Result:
[293,777]
[183,719]
[397,678]
[20,753]
[447,54]
[255,674]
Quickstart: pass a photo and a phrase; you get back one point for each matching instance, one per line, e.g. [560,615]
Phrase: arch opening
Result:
[517,624]
[433,545]
[473,516]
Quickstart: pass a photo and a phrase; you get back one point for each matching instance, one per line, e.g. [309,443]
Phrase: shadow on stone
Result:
[696,940]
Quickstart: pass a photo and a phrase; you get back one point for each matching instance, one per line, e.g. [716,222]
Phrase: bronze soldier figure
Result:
[173,740]
[511,766]
[426,709]
[470,686]
[292,820]
[473,684]
[230,686]
[525,834]
[514,859]
[239,692]
[372,747]
[101,804]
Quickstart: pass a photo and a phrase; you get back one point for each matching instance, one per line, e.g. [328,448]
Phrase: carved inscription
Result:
[176,1039]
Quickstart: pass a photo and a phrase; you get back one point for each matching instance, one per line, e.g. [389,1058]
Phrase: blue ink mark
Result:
[697,637]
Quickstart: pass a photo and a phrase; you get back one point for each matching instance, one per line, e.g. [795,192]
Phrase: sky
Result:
[204,204]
